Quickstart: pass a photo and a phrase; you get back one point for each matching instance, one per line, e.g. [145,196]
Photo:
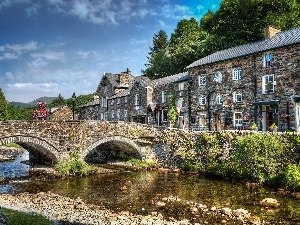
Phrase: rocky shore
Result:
[64,210]
[9,153]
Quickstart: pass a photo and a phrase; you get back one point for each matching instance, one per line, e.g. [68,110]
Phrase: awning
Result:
[272,102]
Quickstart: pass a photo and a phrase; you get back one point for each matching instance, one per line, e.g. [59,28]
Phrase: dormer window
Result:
[237,97]
[268,60]
[268,84]
[202,100]
[237,74]
[202,80]
[218,77]
[218,99]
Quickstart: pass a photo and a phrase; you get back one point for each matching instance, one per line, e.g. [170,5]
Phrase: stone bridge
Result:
[49,142]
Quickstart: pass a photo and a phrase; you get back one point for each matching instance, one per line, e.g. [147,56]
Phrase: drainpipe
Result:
[189,103]
[288,113]
[208,108]
[255,91]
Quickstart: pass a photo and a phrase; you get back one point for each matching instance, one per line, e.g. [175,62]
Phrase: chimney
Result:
[270,31]
[125,78]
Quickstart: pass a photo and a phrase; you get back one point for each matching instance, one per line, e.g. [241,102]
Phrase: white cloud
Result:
[49,55]
[133,41]
[32,85]
[32,45]
[38,63]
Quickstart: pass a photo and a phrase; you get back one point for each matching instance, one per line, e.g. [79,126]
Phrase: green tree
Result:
[186,44]
[158,60]
[3,107]
[172,114]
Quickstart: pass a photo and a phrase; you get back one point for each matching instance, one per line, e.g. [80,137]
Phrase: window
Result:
[268,60]
[181,86]
[180,102]
[298,114]
[105,116]
[101,116]
[202,100]
[237,97]
[105,89]
[126,99]
[163,97]
[112,102]
[218,77]
[118,113]
[218,99]
[202,80]
[125,113]
[112,114]
[268,84]
[164,115]
[118,101]
[104,102]
[237,120]
[137,100]
[237,74]
[202,120]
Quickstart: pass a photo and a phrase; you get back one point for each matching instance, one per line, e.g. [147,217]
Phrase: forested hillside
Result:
[236,22]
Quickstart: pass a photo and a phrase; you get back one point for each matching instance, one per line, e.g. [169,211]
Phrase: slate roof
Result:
[284,38]
[95,102]
[171,79]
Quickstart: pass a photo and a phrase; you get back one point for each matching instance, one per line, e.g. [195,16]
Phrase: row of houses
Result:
[258,82]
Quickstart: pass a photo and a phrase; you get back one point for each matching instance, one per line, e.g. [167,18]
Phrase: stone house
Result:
[110,85]
[164,89]
[258,82]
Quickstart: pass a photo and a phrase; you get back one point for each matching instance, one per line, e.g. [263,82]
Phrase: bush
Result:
[74,166]
[290,177]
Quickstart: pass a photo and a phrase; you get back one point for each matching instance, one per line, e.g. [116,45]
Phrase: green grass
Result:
[142,163]
[14,145]
[20,218]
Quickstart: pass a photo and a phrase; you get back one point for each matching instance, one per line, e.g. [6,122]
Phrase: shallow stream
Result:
[144,188]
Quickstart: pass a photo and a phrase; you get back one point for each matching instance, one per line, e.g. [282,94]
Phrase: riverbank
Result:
[64,210]
[9,153]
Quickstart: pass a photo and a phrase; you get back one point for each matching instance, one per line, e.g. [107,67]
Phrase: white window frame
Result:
[202,80]
[218,99]
[238,119]
[266,82]
[105,89]
[163,97]
[137,102]
[104,116]
[112,114]
[118,113]
[202,100]
[118,101]
[218,77]
[126,99]
[181,86]
[237,97]
[180,102]
[202,120]
[268,60]
[112,102]
[236,73]
[125,113]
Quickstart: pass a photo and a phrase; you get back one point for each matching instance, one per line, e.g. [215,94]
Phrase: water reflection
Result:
[16,168]
[148,187]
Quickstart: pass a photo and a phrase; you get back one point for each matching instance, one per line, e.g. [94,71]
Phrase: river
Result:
[147,187]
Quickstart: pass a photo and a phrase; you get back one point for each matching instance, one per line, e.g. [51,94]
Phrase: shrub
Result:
[142,163]
[73,166]
[291,177]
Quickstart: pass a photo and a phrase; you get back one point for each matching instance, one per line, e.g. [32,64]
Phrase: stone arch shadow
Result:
[114,148]
[40,150]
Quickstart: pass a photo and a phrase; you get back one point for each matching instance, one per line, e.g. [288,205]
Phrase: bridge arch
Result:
[112,148]
[40,151]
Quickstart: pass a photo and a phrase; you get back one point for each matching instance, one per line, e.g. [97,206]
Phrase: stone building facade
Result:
[258,82]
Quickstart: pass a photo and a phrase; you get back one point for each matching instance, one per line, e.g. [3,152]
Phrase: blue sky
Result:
[52,47]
